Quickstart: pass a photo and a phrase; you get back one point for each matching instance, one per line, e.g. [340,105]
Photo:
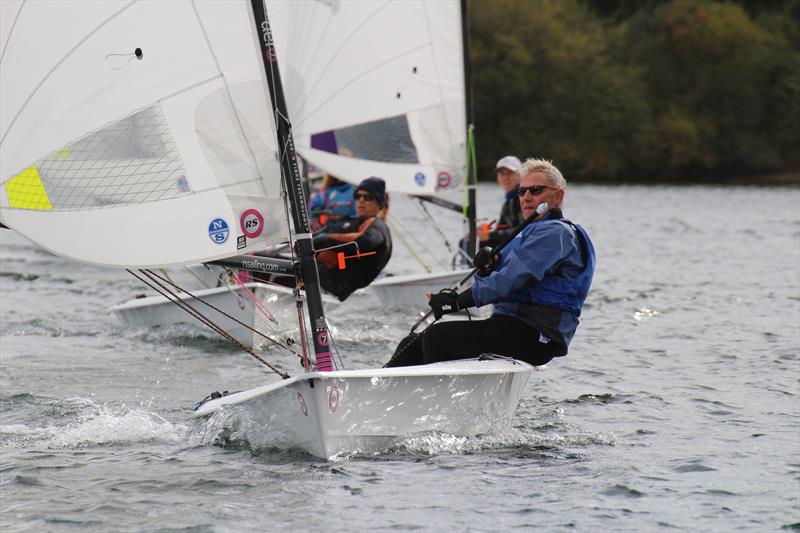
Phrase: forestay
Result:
[376,89]
[137,133]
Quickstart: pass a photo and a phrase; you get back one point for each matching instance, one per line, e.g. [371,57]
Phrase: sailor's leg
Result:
[408,352]
[499,335]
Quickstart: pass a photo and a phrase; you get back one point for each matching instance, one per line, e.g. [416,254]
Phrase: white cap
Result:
[510,162]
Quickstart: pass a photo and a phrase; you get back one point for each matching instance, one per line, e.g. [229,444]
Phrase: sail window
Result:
[131,161]
[386,140]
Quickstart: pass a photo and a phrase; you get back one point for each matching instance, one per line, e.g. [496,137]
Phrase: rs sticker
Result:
[252,223]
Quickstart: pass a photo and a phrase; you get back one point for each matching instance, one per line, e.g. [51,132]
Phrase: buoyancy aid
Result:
[372,235]
[568,294]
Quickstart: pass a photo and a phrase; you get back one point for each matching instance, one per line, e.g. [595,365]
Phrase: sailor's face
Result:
[366,204]
[536,188]
[507,179]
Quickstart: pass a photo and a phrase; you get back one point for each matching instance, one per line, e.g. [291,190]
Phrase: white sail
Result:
[137,133]
[376,88]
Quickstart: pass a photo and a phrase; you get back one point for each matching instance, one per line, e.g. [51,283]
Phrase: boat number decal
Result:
[420,179]
[323,338]
[218,230]
[302,402]
[334,395]
[241,242]
[444,179]
[252,223]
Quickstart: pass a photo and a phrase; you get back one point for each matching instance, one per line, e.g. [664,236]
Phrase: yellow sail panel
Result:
[26,191]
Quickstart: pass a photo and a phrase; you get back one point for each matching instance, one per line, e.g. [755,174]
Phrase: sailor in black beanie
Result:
[372,247]
[376,187]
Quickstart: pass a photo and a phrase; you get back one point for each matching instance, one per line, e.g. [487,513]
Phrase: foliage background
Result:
[639,89]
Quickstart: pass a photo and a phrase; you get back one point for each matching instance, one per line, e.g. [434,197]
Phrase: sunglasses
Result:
[535,190]
[364,196]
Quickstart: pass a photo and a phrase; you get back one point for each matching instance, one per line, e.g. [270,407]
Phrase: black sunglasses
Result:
[364,196]
[535,190]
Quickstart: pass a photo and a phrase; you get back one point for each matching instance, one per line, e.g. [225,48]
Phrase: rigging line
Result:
[220,311]
[278,343]
[421,245]
[11,31]
[357,78]
[175,299]
[236,114]
[396,228]
[336,351]
[205,320]
[255,304]
[424,208]
[335,53]
[58,64]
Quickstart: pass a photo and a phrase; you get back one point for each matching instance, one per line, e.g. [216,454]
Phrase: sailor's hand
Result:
[484,261]
[443,303]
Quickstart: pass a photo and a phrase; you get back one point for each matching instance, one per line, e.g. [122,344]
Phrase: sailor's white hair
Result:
[545,167]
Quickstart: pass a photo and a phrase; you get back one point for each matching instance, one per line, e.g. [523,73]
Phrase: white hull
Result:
[408,291]
[365,410]
[158,311]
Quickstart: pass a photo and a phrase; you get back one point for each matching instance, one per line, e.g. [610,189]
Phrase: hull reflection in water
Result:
[340,412]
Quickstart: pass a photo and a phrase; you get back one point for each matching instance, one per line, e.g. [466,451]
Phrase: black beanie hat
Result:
[376,187]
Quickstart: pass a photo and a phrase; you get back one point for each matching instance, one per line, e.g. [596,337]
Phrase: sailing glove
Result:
[484,261]
[449,301]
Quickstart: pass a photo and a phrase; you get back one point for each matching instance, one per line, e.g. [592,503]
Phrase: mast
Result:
[294,186]
[471,177]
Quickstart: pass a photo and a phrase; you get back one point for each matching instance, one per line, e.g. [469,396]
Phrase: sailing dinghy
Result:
[146,135]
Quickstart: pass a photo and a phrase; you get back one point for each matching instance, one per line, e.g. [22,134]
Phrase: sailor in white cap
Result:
[507,172]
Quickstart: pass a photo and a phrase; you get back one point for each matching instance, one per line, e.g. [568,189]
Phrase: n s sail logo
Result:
[218,231]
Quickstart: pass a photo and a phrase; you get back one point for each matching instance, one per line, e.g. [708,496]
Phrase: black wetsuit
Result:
[371,234]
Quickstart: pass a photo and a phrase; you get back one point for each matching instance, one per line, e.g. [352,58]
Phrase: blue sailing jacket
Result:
[542,278]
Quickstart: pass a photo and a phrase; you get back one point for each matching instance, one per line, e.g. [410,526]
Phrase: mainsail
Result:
[141,135]
[376,89]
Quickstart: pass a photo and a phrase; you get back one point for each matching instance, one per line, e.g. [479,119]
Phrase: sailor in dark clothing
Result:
[344,269]
[507,173]
[537,283]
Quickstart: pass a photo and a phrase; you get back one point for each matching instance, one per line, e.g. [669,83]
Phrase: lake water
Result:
[678,407]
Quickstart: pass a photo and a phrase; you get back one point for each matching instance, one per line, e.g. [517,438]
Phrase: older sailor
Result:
[537,283]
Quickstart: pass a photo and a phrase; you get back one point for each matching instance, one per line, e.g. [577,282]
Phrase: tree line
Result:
[639,89]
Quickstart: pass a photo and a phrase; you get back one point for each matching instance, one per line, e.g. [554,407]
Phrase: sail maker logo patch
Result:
[218,231]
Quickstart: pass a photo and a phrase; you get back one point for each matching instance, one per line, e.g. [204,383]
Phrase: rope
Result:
[427,213]
[164,291]
[220,311]
[395,228]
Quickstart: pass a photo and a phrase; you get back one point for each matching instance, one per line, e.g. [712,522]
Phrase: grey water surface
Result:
[678,407]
